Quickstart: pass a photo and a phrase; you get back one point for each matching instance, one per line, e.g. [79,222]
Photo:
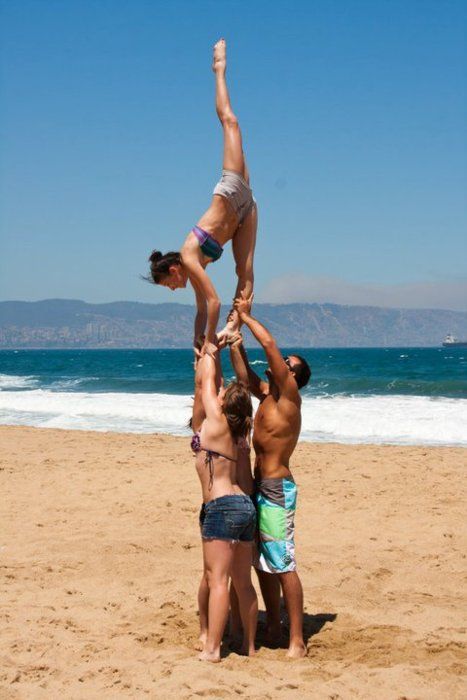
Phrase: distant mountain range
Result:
[64,323]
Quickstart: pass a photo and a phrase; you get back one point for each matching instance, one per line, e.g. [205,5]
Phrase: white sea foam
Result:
[67,384]
[11,381]
[370,419]
[385,419]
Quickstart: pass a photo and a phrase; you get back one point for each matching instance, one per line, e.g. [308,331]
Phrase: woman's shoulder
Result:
[190,246]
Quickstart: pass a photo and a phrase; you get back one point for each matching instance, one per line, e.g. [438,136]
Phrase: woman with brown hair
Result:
[228,517]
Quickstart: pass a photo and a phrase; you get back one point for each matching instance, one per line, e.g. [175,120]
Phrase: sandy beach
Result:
[101,558]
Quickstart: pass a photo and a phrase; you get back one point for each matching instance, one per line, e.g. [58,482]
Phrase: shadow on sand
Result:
[312,624]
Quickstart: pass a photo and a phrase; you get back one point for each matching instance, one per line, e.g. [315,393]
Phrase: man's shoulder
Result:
[282,405]
[290,393]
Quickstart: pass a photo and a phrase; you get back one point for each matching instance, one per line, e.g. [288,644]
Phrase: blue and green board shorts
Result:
[276,501]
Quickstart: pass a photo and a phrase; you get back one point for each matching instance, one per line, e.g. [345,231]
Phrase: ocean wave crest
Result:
[13,381]
[346,419]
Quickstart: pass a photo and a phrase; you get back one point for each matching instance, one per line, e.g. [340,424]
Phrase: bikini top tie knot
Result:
[210,454]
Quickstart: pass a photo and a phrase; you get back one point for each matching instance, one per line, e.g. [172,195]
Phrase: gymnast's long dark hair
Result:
[161,264]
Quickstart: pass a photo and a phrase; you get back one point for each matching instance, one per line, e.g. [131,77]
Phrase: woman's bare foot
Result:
[228,336]
[212,656]
[201,641]
[219,61]
[296,651]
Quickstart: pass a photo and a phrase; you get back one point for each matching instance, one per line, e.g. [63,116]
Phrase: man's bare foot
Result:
[296,651]
[211,656]
[201,641]
[219,61]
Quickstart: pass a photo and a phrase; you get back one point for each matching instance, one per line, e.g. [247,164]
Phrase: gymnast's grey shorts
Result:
[233,187]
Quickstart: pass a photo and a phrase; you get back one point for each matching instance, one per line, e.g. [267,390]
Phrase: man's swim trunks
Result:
[237,191]
[209,246]
[276,501]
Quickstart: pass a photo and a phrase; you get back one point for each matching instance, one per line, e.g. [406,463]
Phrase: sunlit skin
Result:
[276,430]
[177,279]
[220,221]
[222,559]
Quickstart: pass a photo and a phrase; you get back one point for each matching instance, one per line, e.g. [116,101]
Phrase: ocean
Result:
[378,395]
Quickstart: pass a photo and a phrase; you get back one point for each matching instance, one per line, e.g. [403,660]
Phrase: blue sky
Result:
[353,116]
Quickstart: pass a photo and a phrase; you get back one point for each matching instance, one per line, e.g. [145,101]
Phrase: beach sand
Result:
[101,558]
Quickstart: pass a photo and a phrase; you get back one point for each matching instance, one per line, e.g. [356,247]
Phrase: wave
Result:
[400,420]
[12,381]
[70,384]
[359,419]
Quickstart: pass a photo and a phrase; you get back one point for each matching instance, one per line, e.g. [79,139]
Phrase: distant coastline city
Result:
[60,323]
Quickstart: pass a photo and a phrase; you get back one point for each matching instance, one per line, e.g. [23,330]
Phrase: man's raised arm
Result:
[243,371]
[277,365]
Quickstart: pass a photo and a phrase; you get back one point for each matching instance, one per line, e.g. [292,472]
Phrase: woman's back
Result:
[216,460]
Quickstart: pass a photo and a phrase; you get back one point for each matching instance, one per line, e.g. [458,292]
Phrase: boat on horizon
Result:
[451,342]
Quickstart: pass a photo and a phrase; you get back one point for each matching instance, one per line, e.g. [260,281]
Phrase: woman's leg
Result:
[218,558]
[244,239]
[235,621]
[233,151]
[203,605]
[243,247]
[247,598]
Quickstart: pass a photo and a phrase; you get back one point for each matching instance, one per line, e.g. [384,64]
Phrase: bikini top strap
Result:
[209,461]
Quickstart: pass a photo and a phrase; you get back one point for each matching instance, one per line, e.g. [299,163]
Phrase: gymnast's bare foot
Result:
[228,336]
[219,61]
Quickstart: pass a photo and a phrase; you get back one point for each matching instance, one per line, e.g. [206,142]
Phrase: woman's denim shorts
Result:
[231,518]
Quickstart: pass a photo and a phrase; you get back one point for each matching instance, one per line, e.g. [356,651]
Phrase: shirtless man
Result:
[276,430]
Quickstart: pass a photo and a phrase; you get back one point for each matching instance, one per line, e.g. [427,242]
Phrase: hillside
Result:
[61,323]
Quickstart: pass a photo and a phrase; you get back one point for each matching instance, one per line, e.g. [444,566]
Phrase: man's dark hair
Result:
[302,371]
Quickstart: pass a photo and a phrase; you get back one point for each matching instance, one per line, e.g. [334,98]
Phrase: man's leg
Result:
[271,592]
[293,596]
